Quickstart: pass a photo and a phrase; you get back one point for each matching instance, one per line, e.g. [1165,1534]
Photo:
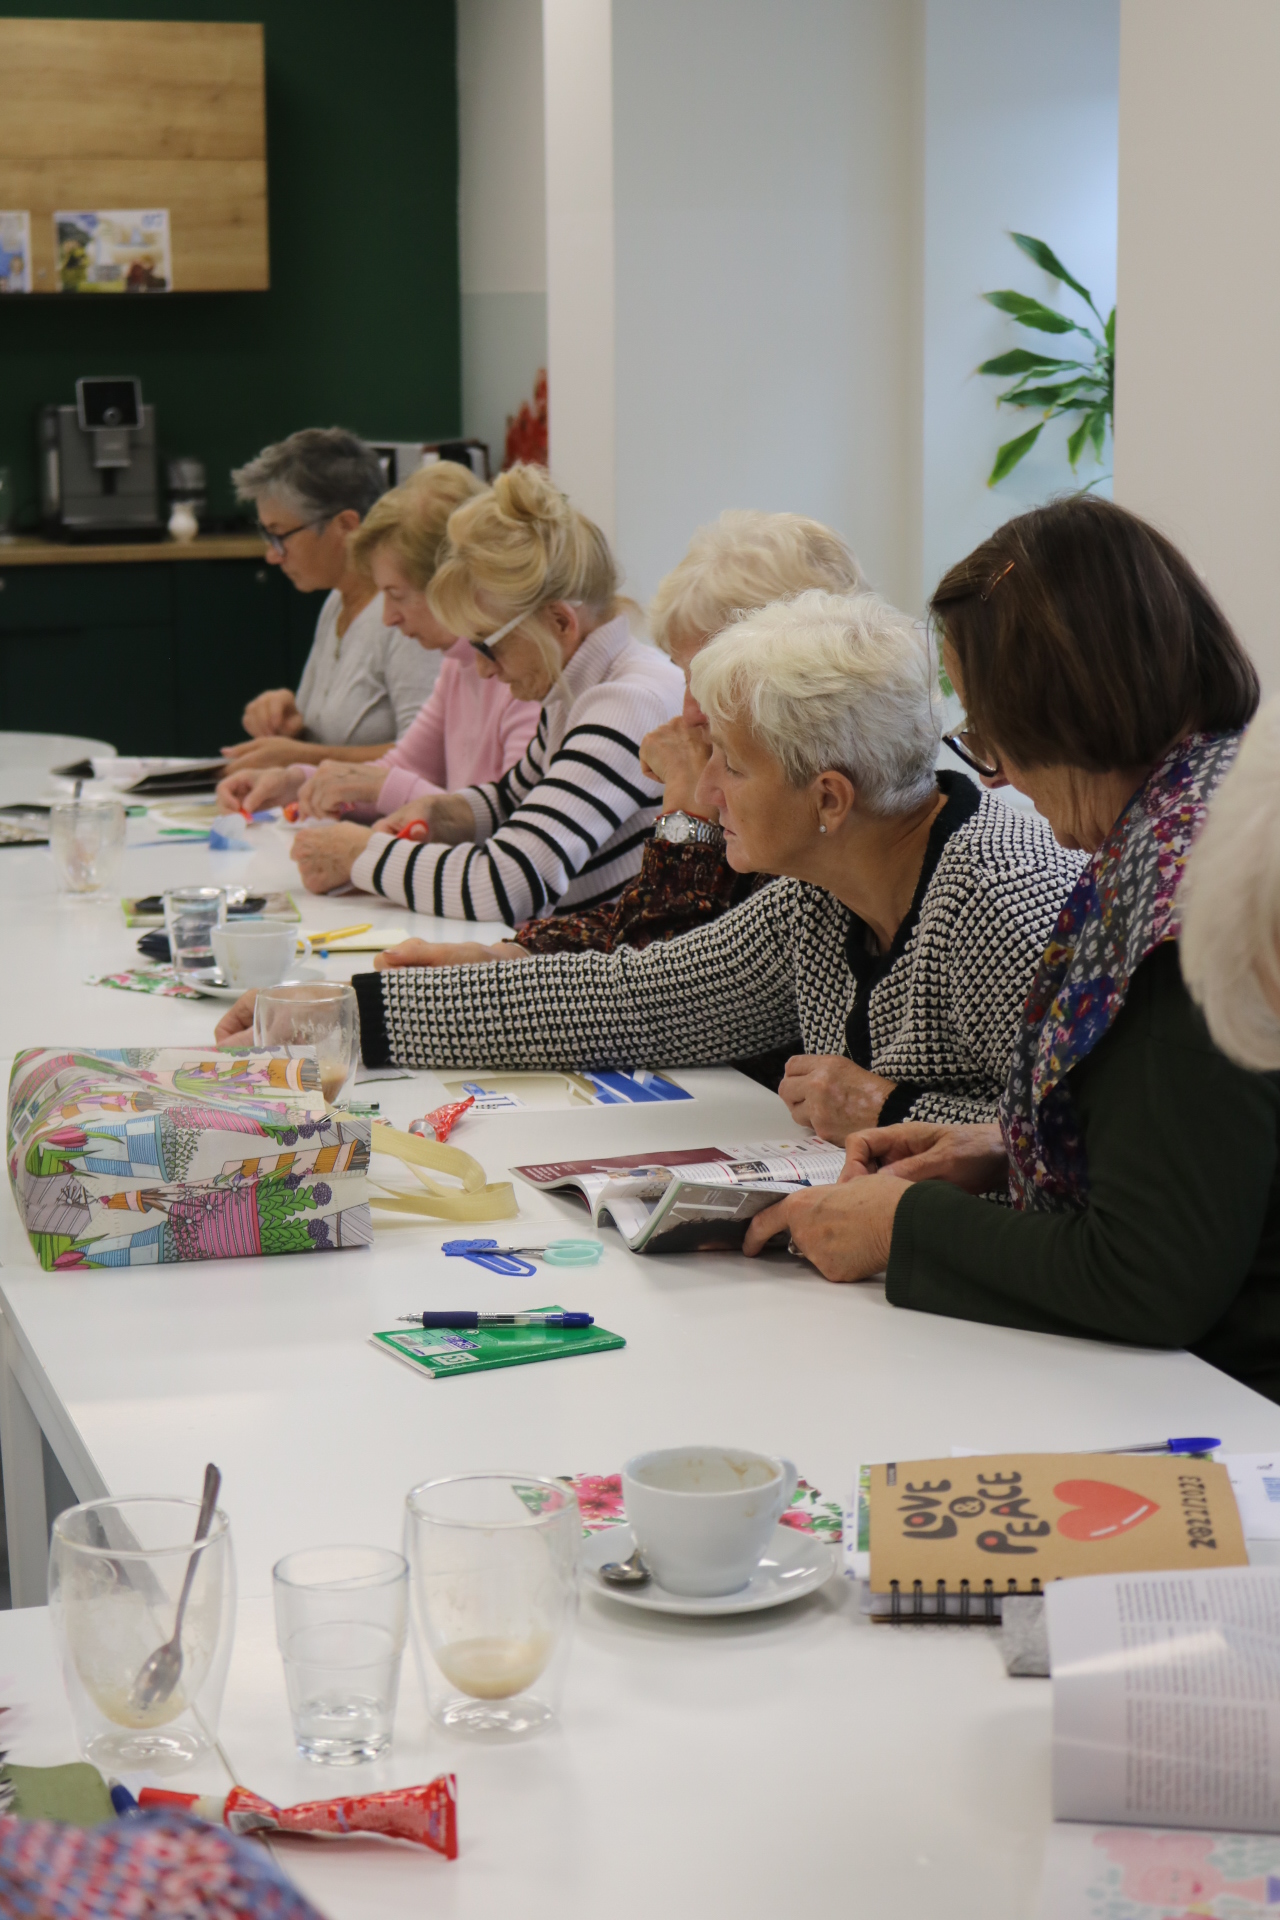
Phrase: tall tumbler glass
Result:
[190,916]
[323,1018]
[493,1561]
[341,1619]
[116,1572]
[86,839]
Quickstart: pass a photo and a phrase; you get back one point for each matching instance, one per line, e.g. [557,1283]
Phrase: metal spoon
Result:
[160,1671]
[631,1572]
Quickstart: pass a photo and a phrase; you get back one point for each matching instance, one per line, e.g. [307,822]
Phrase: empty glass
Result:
[493,1563]
[323,1017]
[86,839]
[340,1626]
[116,1569]
[190,916]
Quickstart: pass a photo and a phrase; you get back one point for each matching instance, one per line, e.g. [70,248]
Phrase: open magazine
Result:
[692,1199]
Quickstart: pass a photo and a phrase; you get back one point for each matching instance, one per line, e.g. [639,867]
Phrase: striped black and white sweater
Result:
[566,825]
[791,967]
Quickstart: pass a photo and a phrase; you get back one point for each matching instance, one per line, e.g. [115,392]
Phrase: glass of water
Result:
[324,1017]
[190,916]
[493,1559]
[86,839]
[341,1615]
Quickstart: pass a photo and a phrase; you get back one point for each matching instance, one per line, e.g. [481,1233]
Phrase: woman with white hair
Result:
[904,936]
[1230,900]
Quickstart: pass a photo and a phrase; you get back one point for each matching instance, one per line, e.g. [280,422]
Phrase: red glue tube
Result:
[442,1120]
[428,1815]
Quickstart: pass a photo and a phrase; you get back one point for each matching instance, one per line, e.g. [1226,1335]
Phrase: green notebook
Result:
[438,1353]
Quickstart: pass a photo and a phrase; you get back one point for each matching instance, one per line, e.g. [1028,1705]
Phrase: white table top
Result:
[802,1757]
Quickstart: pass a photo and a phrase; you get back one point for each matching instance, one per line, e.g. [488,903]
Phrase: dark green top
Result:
[1179,1245]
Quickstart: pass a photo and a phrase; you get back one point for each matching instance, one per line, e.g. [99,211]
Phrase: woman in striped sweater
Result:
[532,584]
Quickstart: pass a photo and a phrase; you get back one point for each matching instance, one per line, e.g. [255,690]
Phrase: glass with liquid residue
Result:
[493,1562]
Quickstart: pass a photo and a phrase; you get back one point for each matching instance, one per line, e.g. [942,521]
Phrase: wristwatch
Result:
[681,829]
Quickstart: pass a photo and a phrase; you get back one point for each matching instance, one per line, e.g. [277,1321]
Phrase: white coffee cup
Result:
[703,1516]
[256,953]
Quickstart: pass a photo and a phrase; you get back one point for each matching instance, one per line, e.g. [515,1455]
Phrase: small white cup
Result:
[256,953]
[703,1516]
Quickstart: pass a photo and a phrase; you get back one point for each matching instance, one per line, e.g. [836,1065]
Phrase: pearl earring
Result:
[822,826]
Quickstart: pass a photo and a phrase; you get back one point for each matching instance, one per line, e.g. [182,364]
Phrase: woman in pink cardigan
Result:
[468,730]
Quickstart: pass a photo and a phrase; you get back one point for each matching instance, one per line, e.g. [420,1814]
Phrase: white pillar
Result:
[1198,375]
[578,65]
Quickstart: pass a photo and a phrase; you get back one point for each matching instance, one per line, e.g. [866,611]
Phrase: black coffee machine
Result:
[99,471]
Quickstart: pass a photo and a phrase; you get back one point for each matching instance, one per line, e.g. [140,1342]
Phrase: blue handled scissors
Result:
[506,1260]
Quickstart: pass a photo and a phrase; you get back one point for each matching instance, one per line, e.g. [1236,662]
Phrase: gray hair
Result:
[744,560]
[831,682]
[317,473]
[1230,903]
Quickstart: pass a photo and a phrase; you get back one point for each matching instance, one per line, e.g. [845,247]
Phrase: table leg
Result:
[23,1460]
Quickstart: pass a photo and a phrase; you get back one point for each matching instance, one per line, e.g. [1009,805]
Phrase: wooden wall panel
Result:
[131,113]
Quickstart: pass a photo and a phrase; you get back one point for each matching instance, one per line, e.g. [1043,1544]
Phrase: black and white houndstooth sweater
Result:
[792,967]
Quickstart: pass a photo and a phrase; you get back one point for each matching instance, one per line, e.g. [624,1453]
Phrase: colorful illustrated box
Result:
[133,1156]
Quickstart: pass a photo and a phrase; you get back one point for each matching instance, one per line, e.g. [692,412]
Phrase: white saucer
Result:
[300,977]
[795,1564]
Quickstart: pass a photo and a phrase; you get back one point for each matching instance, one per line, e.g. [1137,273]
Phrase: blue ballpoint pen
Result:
[464,1321]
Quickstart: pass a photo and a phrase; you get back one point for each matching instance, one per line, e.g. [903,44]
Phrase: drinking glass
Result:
[86,838]
[323,1018]
[116,1570]
[340,1626]
[493,1563]
[190,916]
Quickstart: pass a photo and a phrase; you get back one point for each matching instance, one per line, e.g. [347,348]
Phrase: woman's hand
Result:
[237,1019]
[336,783]
[844,1231]
[326,855]
[832,1095]
[447,816]
[273,713]
[676,754]
[271,753]
[251,790]
[971,1158]
[446,953]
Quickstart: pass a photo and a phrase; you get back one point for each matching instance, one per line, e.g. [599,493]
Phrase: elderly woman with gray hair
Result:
[363,681]
[903,936]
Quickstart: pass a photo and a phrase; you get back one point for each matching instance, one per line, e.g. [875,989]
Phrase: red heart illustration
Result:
[1101,1509]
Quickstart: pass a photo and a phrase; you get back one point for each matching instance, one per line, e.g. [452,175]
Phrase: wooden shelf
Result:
[102,114]
[31,552]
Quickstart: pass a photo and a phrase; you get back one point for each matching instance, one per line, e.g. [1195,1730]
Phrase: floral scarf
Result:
[1122,908]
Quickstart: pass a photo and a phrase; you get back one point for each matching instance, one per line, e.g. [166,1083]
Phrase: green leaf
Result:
[1098,430]
[1024,360]
[1110,330]
[1040,396]
[1008,456]
[1031,313]
[1046,258]
[1076,442]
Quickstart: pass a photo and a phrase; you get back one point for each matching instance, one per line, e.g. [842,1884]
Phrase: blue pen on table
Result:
[122,1800]
[1186,1444]
[463,1321]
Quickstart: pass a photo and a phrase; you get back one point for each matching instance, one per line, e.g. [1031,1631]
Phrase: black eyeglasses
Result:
[974,751]
[276,540]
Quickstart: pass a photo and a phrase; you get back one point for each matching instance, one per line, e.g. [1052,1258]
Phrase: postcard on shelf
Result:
[15,252]
[1166,1698]
[113,250]
[691,1199]
[1137,1873]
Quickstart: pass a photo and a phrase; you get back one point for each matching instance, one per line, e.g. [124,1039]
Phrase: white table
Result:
[800,1759]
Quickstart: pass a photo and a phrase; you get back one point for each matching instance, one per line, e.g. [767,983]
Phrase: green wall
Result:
[360,328]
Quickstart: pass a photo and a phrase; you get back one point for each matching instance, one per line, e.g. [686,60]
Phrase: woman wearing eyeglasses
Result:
[532,584]
[363,682]
[1143,1166]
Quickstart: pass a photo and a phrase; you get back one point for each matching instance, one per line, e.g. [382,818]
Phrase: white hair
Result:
[742,561]
[1230,903]
[831,682]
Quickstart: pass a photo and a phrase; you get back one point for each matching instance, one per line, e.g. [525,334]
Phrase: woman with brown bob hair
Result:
[1102,680]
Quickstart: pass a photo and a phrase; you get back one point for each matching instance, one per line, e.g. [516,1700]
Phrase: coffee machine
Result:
[99,471]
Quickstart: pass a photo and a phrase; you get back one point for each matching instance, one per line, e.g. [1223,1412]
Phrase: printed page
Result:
[1166,1698]
[1141,1873]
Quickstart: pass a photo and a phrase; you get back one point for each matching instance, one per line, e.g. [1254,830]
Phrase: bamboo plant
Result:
[1046,383]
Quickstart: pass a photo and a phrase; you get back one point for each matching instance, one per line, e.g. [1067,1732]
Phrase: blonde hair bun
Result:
[528,493]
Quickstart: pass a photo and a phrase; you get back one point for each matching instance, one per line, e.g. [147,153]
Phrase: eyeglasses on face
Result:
[970,747]
[276,541]
[486,647]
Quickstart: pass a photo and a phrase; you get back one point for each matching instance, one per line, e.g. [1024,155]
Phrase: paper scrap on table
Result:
[158,980]
[1145,1873]
[365,1074]
[601,1505]
[1255,1481]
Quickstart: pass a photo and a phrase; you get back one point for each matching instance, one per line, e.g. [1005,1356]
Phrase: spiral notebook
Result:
[950,1538]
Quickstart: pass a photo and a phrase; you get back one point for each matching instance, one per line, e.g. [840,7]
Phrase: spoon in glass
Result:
[161,1671]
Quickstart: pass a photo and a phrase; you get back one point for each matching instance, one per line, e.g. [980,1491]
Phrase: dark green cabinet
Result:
[153,656]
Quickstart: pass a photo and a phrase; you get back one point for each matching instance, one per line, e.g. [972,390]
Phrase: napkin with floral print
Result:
[600,1502]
